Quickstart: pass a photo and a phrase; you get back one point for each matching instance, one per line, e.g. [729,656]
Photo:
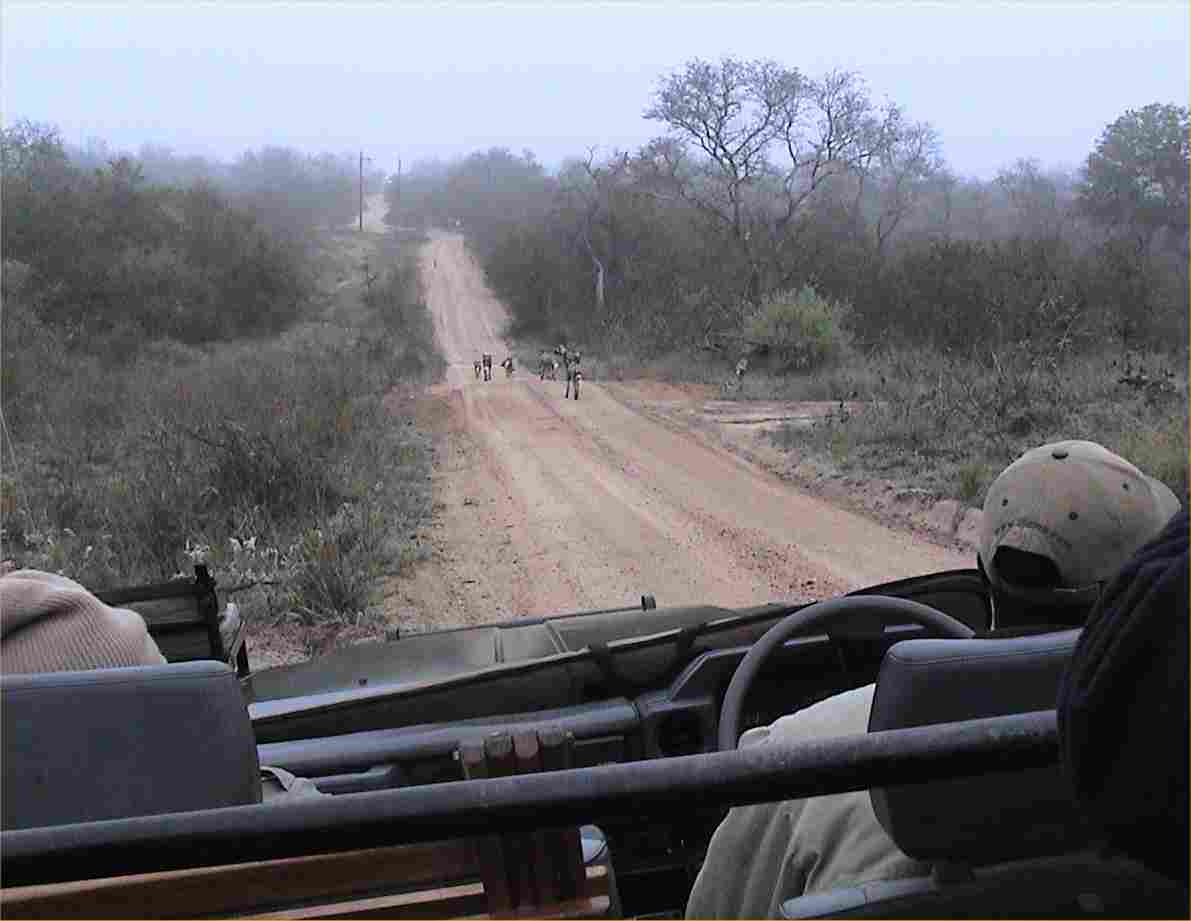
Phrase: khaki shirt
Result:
[762,855]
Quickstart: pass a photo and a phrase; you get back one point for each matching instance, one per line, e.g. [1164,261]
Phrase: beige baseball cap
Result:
[1077,504]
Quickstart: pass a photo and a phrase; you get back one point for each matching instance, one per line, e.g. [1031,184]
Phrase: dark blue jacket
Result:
[1123,706]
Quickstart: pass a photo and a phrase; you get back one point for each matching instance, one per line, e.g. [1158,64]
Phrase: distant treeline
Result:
[283,187]
[119,250]
[767,182]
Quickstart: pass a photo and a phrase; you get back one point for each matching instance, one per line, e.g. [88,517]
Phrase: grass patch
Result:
[950,425]
[1160,448]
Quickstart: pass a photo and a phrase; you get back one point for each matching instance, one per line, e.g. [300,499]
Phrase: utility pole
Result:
[362,159]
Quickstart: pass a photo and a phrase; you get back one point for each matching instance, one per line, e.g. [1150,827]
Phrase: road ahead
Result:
[548,505]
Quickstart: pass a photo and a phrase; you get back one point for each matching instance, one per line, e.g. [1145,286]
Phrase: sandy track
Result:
[550,505]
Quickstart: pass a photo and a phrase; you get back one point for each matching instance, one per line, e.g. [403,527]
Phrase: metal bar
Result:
[631,792]
[623,610]
[179,588]
[361,750]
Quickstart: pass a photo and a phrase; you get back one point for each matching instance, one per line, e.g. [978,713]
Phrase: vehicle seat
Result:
[1001,845]
[114,743]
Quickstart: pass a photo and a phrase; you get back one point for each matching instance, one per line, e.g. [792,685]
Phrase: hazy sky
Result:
[998,80]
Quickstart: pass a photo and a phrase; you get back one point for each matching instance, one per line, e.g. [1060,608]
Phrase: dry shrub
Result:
[131,473]
[950,425]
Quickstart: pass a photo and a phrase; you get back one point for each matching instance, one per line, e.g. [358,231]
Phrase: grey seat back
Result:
[996,817]
[91,745]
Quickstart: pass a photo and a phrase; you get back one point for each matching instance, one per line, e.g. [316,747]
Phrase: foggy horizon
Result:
[998,82]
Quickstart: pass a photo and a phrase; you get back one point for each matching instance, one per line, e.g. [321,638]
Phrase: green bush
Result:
[804,330]
[971,480]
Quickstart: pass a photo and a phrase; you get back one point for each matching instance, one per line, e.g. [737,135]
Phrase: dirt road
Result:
[375,207]
[552,505]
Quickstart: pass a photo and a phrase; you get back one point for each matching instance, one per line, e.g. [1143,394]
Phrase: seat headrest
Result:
[120,742]
[996,817]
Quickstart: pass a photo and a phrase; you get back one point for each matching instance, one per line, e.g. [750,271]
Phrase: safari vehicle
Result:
[136,792]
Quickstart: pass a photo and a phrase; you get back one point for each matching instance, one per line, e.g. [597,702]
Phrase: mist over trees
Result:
[766,180]
[116,250]
[488,192]
[289,190]
[113,261]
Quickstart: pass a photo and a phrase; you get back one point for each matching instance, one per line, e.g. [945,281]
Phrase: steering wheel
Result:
[881,606]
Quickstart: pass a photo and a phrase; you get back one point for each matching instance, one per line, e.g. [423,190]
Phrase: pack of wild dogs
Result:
[483,367]
[548,368]
[548,365]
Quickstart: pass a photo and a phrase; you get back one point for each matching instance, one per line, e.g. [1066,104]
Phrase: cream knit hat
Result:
[49,623]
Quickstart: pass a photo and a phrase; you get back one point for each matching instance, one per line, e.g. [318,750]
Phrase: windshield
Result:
[408,318]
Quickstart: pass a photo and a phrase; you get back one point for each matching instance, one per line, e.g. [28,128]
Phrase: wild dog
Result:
[574,374]
[507,364]
[478,366]
[487,362]
[736,381]
[576,378]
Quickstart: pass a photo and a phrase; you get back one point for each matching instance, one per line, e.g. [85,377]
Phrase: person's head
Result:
[1058,523]
[49,623]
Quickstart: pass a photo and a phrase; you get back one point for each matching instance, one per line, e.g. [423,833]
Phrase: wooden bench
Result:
[184,619]
[437,880]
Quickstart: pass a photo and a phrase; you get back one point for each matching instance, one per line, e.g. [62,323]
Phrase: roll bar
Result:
[614,793]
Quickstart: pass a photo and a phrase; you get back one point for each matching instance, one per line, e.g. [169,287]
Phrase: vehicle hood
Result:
[435,657]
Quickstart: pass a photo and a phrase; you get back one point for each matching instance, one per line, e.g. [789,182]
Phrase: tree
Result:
[1137,176]
[1035,197]
[769,138]
[39,192]
[594,192]
[902,163]
[732,112]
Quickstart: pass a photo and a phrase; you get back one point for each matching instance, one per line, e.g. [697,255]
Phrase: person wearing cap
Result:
[1058,523]
[49,623]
